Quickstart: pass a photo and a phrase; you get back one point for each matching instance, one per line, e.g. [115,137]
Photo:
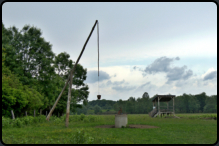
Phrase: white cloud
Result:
[207,72]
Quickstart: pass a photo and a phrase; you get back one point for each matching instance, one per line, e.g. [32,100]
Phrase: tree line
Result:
[186,103]
[33,75]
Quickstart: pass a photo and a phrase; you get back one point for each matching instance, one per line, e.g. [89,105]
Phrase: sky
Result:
[154,47]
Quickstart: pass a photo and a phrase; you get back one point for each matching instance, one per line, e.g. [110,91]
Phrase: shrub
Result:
[17,123]
[79,137]
[42,118]
[58,120]
[82,117]
[27,120]
[6,122]
[35,120]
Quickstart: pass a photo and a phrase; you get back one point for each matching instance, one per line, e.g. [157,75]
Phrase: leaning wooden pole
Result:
[71,73]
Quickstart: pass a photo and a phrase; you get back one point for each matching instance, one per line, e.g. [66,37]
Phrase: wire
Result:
[98,52]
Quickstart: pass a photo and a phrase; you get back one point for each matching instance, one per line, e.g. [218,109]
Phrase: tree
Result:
[16,96]
[97,109]
[193,104]
[210,104]
[201,98]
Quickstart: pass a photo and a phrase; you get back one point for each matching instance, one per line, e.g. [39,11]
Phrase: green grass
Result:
[171,131]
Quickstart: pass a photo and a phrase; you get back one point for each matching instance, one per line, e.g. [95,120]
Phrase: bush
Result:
[82,138]
[27,120]
[79,137]
[17,123]
[58,120]
[42,118]
[6,122]
[82,117]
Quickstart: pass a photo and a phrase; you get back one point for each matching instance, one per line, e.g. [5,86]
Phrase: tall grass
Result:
[82,129]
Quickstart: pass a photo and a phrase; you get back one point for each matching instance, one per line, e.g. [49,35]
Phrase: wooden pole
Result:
[12,114]
[34,113]
[68,102]
[46,113]
[40,111]
[71,73]
[25,113]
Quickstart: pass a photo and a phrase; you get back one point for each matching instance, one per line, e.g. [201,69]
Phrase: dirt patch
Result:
[130,126]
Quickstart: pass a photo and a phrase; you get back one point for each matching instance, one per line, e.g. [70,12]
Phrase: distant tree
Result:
[201,98]
[97,109]
[193,104]
[210,104]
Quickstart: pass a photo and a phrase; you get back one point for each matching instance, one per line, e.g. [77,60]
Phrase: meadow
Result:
[189,129]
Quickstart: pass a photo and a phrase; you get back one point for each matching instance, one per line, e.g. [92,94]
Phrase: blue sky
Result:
[139,43]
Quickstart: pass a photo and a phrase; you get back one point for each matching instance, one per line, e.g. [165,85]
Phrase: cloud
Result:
[145,87]
[210,75]
[162,64]
[123,88]
[92,76]
[115,83]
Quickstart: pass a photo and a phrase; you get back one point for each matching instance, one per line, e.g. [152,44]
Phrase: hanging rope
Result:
[98,52]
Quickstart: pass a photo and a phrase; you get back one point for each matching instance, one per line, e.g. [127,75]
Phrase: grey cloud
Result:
[145,87]
[176,73]
[188,74]
[115,83]
[177,58]
[123,88]
[211,75]
[162,64]
[92,76]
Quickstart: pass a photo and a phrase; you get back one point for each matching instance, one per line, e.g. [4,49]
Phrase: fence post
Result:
[40,111]
[25,113]
[12,113]
[34,113]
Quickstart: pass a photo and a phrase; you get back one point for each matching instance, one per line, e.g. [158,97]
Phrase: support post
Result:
[72,73]
[167,106]
[68,101]
[34,113]
[25,113]
[158,106]
[173,107]
[40,111]
[12,114]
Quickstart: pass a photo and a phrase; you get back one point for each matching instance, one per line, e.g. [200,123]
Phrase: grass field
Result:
[189,129]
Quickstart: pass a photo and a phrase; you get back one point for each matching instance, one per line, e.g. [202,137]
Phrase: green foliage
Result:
[6,122]
[97,109]
[28,120]
[17,123]
[82,117]
[80,137]
[29,79]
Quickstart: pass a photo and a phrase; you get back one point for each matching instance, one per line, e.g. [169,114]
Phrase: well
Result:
[121,120]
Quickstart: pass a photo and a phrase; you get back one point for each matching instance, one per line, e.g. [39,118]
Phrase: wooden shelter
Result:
[161,110]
